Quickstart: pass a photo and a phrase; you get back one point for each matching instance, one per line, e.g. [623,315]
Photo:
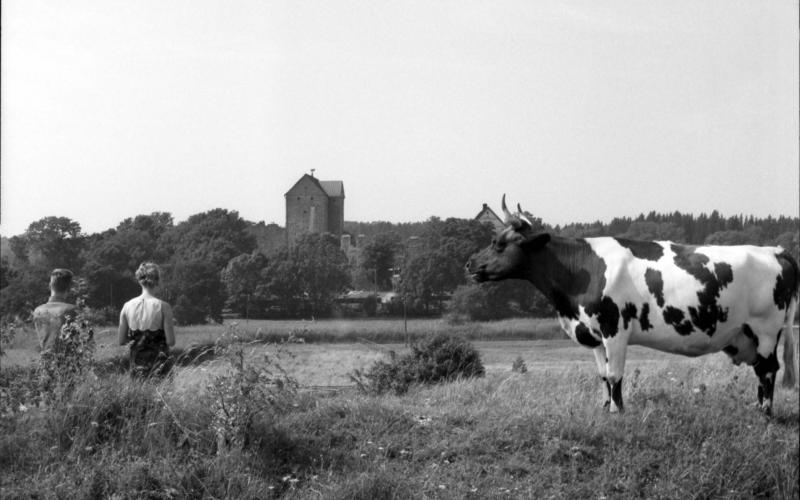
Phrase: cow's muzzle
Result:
[475,272]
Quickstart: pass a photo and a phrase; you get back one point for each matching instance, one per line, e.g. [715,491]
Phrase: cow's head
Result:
[508,255]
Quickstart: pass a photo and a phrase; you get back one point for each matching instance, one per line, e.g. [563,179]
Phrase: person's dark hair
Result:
[61,280]
[148,274]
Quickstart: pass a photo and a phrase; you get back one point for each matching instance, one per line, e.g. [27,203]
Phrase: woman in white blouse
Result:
[146,322]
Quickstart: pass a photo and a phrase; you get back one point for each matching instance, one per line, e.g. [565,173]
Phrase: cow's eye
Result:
[499,245]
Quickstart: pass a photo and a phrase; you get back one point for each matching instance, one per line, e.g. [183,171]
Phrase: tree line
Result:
[216,260]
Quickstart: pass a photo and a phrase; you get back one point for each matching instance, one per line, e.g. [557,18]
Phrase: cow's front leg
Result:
[601,360]
[765,365]
[766,368]
[615,367]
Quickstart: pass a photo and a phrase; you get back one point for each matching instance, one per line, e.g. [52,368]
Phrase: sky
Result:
[577,110]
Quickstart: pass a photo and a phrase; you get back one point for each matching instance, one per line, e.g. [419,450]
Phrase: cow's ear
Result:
[536,243]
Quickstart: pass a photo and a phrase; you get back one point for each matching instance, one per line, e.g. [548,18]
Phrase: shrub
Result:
[71,357]
[519,366]
[442,358]
[8,331]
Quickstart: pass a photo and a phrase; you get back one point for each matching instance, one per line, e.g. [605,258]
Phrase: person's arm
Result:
[123,328]
[169,329]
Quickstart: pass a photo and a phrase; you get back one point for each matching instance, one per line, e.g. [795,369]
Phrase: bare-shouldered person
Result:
[146,322]
[50,316]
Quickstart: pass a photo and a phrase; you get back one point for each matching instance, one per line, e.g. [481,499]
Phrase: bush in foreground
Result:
[442,358]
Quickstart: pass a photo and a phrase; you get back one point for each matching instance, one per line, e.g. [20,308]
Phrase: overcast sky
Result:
[578,110]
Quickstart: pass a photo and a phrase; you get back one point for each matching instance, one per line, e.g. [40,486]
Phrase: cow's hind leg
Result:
[601,360]
[766,369]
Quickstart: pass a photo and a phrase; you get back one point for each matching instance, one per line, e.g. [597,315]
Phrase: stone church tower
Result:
[314,206]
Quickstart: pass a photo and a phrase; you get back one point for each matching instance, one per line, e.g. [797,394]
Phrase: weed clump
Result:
[253,389]
[442,358]
[67,363]
[519,366]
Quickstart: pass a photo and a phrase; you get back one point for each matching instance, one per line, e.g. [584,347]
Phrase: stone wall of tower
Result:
[306,210]
[336,215]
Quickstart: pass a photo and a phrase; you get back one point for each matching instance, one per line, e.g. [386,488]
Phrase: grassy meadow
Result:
[689,430]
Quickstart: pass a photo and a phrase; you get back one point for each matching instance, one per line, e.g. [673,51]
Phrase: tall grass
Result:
[689,432]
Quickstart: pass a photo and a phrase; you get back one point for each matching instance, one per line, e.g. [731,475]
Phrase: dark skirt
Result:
[149,353]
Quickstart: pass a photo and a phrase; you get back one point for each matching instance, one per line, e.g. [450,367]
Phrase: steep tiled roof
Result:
[487,215]
[333,188]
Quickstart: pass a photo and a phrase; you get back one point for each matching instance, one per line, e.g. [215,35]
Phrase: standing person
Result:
[49,317]
[146,322]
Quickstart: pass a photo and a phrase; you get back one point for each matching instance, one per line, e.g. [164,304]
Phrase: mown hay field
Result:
[689,431]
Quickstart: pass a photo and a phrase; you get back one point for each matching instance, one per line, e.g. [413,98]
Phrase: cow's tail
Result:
[789,370]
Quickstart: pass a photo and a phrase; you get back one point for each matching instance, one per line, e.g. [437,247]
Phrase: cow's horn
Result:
[508,215]
[522,216]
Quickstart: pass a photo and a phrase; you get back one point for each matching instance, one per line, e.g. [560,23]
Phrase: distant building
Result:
[487,216]
[314,206]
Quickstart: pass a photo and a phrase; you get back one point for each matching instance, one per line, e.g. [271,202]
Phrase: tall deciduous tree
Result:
[312,270]
[26,288]
[215,237]
[49,243]
[113,257]
[378,258]
[242,280]
[194,289]
[196,251]
[438,268]
[7,273]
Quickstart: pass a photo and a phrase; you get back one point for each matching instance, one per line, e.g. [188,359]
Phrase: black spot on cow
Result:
[655,285]
[675,317]
[765,369]
[644,317]
[564,305]
[708,313]
[730,350]
[607,402]
[607,314]
[786,282]
[748,332]
[628,313]
[584,336]
[616,394]
[647,250]
[724,273]
[568,272]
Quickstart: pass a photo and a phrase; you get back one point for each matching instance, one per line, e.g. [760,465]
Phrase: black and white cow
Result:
[683,299]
